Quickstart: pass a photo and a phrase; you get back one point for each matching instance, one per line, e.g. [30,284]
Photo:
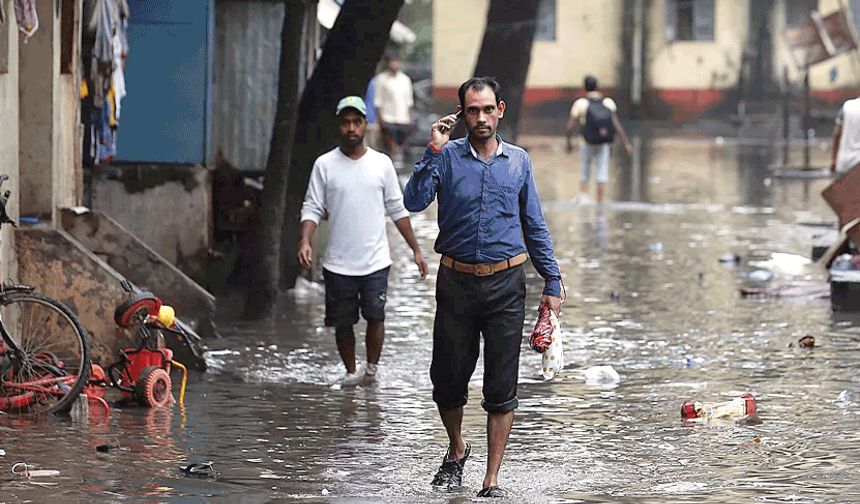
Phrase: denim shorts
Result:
[467,308]
[599,155]
[345,295]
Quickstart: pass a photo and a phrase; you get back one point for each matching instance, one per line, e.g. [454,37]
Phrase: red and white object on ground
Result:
[736,408]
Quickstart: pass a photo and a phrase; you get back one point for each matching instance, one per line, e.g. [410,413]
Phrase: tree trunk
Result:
[506,53]
[350,54]
[262,255]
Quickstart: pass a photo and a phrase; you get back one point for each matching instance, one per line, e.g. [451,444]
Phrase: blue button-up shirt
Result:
[486,208]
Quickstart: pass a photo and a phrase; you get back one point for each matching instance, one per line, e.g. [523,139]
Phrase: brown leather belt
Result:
[483,269]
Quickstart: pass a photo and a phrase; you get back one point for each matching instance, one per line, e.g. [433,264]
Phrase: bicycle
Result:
[44,351]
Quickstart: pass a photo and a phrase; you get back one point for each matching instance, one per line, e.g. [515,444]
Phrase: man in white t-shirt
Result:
[393,100]
[597,119]
[846,138]
[355,187]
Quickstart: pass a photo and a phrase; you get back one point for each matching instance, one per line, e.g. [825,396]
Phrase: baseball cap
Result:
[352,101]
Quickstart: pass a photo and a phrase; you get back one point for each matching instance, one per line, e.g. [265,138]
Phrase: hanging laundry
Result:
[25,14]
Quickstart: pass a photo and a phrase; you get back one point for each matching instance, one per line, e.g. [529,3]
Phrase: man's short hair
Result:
[478,83]
[391,56]
[590,83]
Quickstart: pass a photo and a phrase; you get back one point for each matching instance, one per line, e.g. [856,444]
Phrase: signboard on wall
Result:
[821,38]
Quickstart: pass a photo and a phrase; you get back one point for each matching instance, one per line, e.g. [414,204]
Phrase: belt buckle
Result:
[484,269]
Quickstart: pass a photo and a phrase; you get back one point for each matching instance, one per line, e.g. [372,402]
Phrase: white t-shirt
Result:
[849,141]
[354,195]
[580,107]
[393,97]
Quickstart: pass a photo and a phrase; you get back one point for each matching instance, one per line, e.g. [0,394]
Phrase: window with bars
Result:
[545,20]
[689,20]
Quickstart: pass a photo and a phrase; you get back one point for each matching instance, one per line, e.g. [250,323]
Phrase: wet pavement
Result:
[647,295]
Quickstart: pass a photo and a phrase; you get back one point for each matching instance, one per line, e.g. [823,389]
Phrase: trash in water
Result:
[199,469]
[601,375]
[807,341]
[759,275]
[655,246]
[29,471]
[109,446]
[2,452]
[729,258]
[736,408]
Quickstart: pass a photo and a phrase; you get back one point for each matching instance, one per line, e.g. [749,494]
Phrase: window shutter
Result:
[703,20]
[670,20]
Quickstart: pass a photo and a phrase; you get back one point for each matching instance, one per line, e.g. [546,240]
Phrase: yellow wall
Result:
[588,41]
[458,26]
[697,65]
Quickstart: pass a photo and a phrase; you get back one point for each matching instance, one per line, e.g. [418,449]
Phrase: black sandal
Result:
[492,491]
[450,474]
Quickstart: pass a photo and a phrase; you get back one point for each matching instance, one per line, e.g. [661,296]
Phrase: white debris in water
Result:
[324,491]
[2,452]
[601,375]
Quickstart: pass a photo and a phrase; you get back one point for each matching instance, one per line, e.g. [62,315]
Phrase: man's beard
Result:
[351,141]
[483,132]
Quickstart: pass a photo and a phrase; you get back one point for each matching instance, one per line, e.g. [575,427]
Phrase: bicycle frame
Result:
[8,342]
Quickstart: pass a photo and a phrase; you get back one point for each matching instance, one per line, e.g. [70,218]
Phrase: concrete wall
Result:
[139,263]
[58,266]
[9,131]
[49,115]
[168,207]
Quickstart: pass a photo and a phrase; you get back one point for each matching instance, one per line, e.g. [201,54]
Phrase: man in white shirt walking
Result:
[846,138]
[393,99]
[354,187]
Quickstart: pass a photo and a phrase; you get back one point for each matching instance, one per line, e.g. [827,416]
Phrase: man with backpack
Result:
[598,122]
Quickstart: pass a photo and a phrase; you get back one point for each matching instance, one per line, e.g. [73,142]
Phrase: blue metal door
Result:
[163,116]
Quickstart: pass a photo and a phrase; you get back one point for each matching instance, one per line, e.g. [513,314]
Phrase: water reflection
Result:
[647,295]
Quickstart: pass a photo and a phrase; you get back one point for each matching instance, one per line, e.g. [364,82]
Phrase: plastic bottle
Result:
[736,408]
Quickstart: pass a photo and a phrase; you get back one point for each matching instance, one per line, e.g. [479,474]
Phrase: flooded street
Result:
[647,295]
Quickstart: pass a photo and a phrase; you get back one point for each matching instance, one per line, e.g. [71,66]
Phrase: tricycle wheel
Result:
[136,308]
[153,386]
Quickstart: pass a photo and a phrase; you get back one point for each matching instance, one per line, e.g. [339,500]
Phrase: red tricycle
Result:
[143,373]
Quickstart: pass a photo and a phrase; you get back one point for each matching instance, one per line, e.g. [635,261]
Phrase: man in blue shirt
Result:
[489,216]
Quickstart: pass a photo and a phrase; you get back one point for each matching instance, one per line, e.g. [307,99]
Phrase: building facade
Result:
[671,59]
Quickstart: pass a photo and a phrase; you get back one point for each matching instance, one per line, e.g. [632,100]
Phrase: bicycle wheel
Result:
[53,363]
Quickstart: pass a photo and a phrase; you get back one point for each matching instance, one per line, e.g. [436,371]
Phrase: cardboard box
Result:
[843,196]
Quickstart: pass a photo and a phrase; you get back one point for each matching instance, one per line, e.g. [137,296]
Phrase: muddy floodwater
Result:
[647,295]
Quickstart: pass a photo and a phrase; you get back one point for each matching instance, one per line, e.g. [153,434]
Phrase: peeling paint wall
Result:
[57,266]
[9,131]
[168,207]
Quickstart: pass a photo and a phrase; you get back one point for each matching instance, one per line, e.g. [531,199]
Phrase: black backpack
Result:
[598,123]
